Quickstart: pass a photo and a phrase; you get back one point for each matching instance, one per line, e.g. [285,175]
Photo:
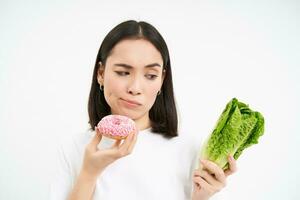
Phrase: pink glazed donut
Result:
[116,126]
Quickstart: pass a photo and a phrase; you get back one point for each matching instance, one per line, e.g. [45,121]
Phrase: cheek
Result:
[152,92]
[113,87]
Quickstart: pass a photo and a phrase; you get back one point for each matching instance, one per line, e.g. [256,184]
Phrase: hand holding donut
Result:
[96,160]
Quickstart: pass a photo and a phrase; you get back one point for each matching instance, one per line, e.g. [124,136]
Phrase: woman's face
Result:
[132,77]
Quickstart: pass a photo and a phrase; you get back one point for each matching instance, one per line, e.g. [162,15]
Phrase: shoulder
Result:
[185,140]
[189,140]
[189,144]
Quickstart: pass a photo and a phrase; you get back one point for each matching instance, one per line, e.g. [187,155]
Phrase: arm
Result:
[83,188]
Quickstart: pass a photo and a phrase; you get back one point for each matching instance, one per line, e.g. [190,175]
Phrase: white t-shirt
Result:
[157,169]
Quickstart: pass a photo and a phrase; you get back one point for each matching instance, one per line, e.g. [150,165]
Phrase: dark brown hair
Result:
[163,114]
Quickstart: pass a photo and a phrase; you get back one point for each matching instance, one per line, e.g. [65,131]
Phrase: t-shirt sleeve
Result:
[61,181]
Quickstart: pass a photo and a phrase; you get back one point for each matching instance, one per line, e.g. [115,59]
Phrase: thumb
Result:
[96,139]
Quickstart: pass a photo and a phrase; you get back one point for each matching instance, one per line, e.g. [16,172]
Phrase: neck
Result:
[143,123]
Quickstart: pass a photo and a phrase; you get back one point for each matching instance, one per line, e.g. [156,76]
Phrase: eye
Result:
[151,76]
[122,73]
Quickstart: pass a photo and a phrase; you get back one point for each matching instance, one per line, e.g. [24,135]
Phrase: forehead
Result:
[136,52]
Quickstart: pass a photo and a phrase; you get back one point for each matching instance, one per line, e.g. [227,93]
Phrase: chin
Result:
[130,114]
[134,115]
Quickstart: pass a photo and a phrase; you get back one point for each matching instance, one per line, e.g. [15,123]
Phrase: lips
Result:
[132,102]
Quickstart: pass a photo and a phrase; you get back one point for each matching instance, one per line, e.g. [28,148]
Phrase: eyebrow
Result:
[129,66]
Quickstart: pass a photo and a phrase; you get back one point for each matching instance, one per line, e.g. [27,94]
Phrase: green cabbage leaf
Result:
[237,128]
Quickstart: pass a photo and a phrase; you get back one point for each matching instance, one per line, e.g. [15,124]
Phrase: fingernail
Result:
[203,161]
[231,157]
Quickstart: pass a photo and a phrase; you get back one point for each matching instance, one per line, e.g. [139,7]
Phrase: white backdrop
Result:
[219,50]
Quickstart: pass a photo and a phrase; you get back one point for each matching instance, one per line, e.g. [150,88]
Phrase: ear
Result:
[100,73]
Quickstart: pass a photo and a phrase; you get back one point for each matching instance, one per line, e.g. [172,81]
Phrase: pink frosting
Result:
[116,125]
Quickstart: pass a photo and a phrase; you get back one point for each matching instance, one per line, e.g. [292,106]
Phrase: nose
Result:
[134,86]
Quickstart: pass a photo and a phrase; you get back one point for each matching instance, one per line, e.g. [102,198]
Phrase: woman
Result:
[132,77]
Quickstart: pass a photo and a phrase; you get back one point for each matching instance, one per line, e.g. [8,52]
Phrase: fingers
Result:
[128,144]
[232,166]
[95,141]
[209,178]
[132,144]
[214,169]
[199,181]
[128,141]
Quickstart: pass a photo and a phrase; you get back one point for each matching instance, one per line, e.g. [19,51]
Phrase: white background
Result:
[219,50]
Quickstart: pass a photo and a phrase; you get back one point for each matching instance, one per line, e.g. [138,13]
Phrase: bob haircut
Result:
[163,114]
